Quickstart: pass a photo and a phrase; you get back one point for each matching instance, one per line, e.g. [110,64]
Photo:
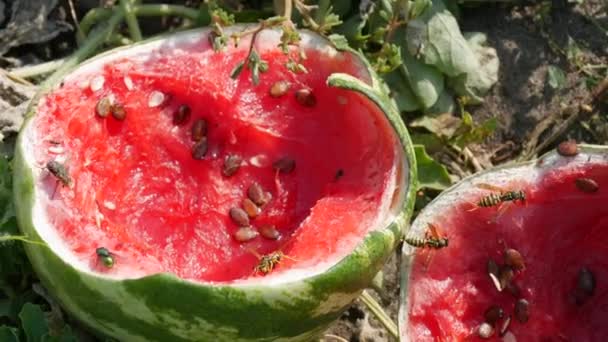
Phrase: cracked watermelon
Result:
[547,255]
[137,171]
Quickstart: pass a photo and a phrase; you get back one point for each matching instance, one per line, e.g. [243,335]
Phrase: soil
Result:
[529,38]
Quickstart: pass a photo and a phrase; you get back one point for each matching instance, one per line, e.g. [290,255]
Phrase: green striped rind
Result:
[528,170]
[164,308]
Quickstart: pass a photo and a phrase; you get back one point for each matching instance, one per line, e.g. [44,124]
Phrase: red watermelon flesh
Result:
[138,191]
[559,231]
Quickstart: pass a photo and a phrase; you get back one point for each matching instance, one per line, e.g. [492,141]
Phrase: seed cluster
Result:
[251,207]
[106,106]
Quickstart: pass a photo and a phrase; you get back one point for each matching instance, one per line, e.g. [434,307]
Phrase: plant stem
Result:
[21,238]
[131,19]
[91,18]
[166,10]
[377,310]
[37,69]
[321,10]
[288,9]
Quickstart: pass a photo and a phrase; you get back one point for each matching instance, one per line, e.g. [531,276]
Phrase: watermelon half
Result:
[547,256]
[144,225]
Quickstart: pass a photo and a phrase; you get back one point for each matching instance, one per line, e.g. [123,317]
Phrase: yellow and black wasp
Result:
[268,262]
[432,240]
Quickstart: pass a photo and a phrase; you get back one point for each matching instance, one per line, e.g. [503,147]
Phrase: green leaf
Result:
[418,7]
[469,133]
[66,335]
[443,125]
[556,78]
[340,42]
[475,85]
[33,322]
[400,91]
[431,174]
[426,82]
[436,37]
[8,334]
[445,104]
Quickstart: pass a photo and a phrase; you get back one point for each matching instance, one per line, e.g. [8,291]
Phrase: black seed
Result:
[567,148]
[284,165]
[250,208]
[493,314]
[245,234]
[485,331]
[492,267]
[257,195]
[279,88]
[199,150]
[339,174]
[522,310]
[239,216]
[181,115]
[269,231]
[504,327]
[587,185]
[118,112]
[232,163]
[514,259]
[103,107]
[199,129]
[305,97]
[586,281]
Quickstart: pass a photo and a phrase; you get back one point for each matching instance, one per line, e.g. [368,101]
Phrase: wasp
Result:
[500,195]
[269,261]
[105,256]
[60,172]
[432,239]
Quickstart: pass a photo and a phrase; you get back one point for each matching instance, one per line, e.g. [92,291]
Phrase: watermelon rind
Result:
[162,307]
[530,171]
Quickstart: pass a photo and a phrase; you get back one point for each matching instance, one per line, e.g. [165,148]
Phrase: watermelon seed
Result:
[156,99]
[103,107]
[585,285]
[118,111]
[257,195]
[284,165]
[485,331]
[493,271]
[199,129]
[495,281]
[339,174]
[513,289]
[514,259]
[128,82]
[587,185]
[259,160]
[567,148]
[109,205]
[97,83]
[250,208]
[493,314]
[505,276]
[279,88]
[239,216]
[56,149]
[305,97]
[504,326]
[181,115]
[522,310]
[245,234]
[59,171]
[232,163]
[269,231]
[106,257]
[199,150]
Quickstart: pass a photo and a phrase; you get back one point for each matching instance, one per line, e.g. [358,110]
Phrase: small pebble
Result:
[232,163]
[118,112]
[284,165]
[587,185]
[181,115]
[245,234]
[199,150]
[514,259]
[239,216]
[567,148]
[485,330]
[305,97]
[279,88]
[251,208]
[97,83]
[103,107]
[522,311]
[199,129]
[155,99]
[269,232]
[493,314]
[257,194]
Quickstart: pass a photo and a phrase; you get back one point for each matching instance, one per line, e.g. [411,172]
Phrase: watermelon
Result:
[527,270]
[179,203]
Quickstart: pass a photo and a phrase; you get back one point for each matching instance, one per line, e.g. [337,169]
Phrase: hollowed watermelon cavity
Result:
[560,230]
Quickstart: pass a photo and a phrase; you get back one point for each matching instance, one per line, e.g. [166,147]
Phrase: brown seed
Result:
[250,208]
[513,289]
[493,314]
[239,216]
[567,148]
[118,112]
[269,231]
[505,276]
[199,150]
[585,282]
[504,327]
[103,107]
[284,165]
[232,163]
[485,331]
[181,115]
[522,310]
[257,195]
[514,259]
[245,234]
[305,97]
[587,185]
[492,267]
[199,129]
[279,88]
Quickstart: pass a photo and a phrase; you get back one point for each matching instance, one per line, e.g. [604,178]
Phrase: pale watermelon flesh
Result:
[559,231]
[138,192]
